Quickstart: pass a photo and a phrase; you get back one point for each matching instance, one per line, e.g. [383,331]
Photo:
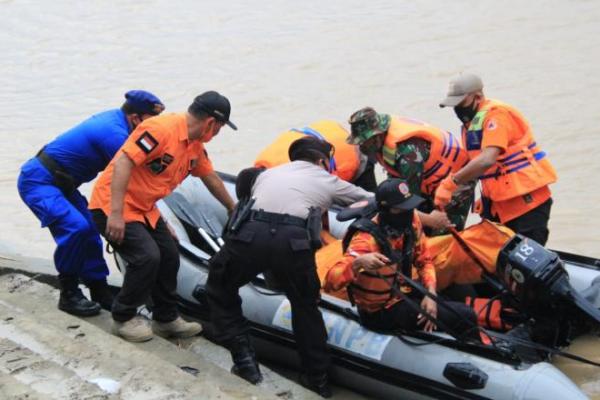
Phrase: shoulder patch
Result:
[147,142]
[167,158]
[491,125]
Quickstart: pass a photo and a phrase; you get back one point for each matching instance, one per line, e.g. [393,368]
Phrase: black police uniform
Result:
[278,243]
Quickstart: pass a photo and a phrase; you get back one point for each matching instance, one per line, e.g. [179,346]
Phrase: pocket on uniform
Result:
[300,244]
[243,236]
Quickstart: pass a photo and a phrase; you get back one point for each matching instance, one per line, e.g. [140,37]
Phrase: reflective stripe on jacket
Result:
[346,157]
[446,154]
[521,169]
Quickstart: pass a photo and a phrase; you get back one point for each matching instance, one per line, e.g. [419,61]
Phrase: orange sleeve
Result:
[203,165]
[496,129]
[341,274]
[144,143]
[423,260]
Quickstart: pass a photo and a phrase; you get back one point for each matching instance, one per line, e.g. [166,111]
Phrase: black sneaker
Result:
[318,384]
[75,303]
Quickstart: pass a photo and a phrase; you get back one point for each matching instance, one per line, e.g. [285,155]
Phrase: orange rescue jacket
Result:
[521,169]
[346,157]
[446,154]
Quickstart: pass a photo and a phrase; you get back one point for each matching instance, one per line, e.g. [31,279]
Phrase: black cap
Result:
[394,193]
[308,147]
[215,105]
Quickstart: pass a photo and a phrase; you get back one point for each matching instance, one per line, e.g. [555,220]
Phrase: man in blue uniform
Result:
[48,185]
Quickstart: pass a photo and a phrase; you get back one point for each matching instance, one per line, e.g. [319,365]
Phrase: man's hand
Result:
[370,261]
[439,220]
[430,307]
[216,187]
[443,194]
[115,228]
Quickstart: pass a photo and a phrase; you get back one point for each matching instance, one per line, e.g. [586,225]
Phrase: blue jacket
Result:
[86,149]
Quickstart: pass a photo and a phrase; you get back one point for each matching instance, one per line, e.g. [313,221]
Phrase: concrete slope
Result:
[201,358]
[54,355]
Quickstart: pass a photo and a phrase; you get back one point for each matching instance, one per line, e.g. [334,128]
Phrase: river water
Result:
[286,63]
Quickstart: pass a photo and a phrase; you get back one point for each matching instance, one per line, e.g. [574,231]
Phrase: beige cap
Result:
[460,87]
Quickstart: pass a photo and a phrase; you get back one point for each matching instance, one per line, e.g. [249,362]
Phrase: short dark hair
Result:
[309,155]
[310,149]
[198,113]
[128,109]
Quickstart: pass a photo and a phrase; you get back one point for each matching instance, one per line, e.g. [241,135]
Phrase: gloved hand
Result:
[443,194]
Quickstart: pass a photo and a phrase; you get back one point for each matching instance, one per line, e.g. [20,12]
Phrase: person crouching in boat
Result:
[274,233]
[379,255]
[348,162]
[419,153]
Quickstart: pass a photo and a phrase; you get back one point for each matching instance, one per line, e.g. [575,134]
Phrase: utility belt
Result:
[312,223]
[278,219]
[61,178]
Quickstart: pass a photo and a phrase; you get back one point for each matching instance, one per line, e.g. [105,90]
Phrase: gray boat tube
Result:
[379,365]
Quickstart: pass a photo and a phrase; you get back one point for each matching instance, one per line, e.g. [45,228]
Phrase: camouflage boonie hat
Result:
[366,123]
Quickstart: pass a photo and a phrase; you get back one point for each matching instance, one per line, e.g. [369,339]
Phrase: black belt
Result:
[280,219]
[49,162]
[62,179]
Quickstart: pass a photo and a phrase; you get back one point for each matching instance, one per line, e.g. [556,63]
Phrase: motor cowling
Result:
[534,276]
[538,281]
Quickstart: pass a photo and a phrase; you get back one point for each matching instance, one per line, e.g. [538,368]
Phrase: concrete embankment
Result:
[45,353]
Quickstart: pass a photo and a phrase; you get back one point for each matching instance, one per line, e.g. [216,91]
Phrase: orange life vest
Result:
[454,266]
[522,169]
[346,157]
[446,154]
[373,290]
[491,313]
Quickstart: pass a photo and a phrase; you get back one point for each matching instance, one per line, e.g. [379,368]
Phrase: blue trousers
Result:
[78,244]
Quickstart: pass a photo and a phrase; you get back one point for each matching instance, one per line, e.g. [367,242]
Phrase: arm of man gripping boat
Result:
[115,224]
[215,186]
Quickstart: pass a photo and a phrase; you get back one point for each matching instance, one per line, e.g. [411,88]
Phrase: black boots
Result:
[244,359]
[71,299]
[318,384]
[100,293]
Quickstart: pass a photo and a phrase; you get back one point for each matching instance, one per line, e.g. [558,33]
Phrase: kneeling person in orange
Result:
[513,170]
[347,163]
[156,157]
[376,284]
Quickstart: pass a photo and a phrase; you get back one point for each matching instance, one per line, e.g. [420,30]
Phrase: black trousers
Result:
[152,265]
[458,317]
[284,250]
[534,223]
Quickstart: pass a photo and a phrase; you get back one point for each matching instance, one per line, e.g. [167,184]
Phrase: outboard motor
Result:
[539,286]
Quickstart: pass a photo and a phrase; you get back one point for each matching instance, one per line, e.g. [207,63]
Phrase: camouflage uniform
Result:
[411,156]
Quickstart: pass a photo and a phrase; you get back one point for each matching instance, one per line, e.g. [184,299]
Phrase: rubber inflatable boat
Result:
[414,365]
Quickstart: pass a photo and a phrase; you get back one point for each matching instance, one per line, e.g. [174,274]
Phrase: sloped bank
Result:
[45,353]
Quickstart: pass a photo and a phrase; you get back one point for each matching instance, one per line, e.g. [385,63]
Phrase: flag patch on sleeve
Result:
[146,142]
